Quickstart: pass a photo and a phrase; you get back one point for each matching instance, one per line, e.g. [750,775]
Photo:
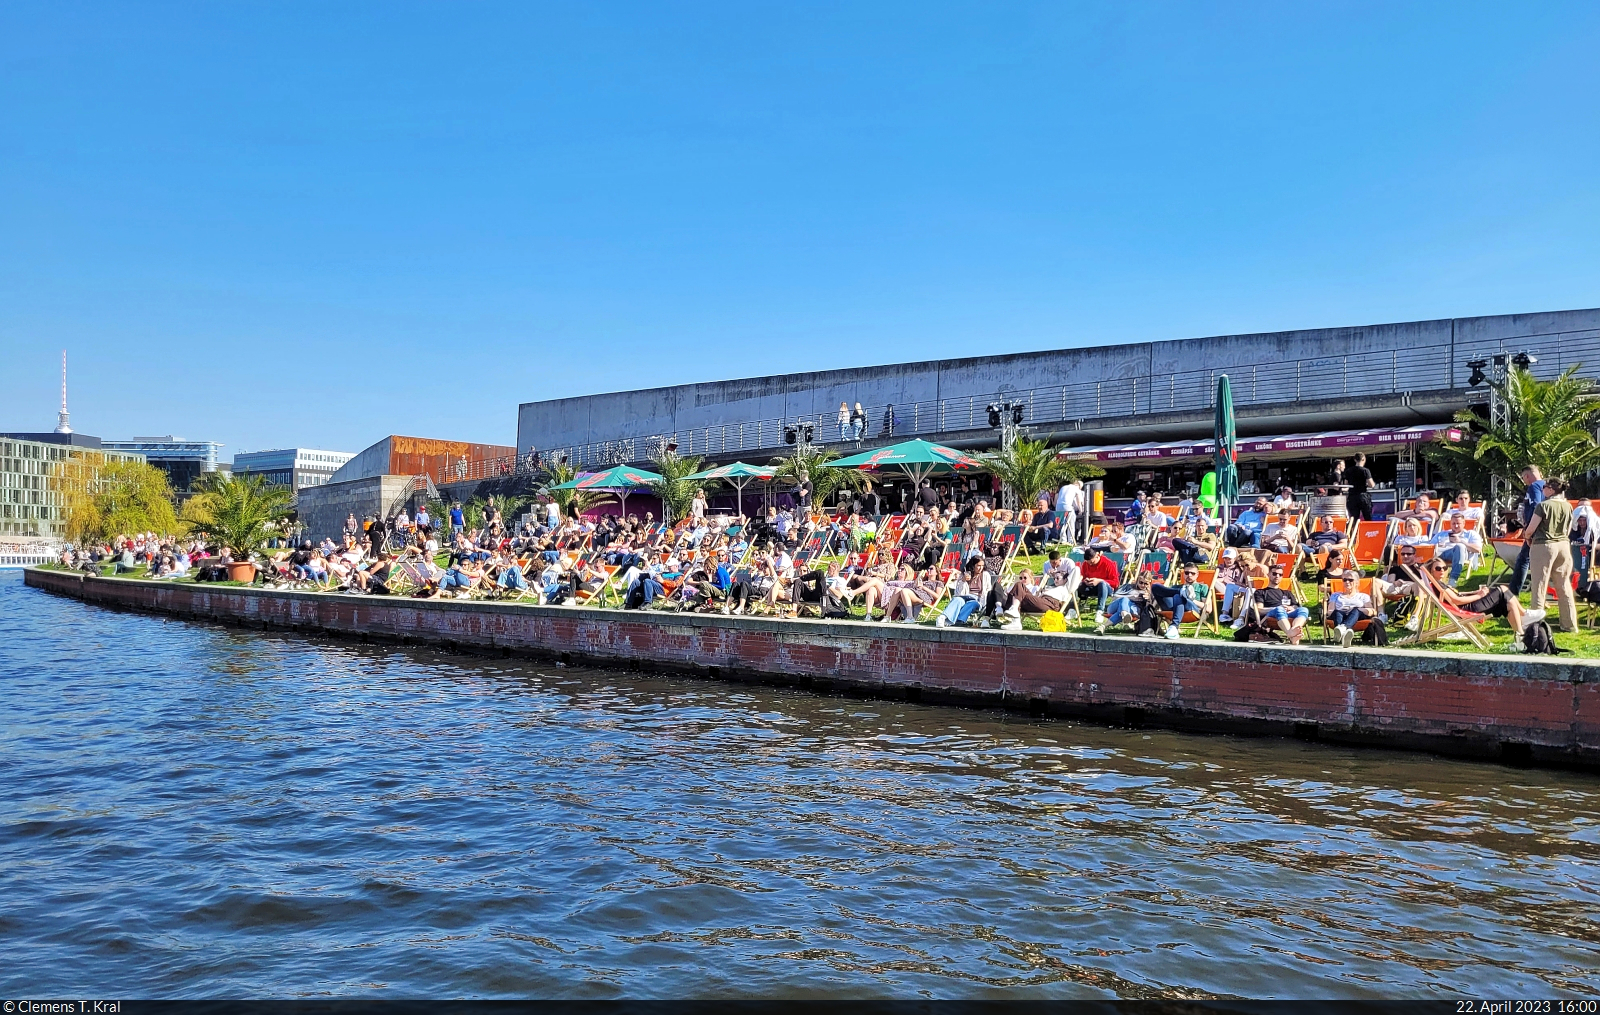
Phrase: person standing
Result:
[1550,554]
[1358,502]
[375,535]
[351,526]
[458,519]
[1533,493]
[858,421]
[697,507]
[844,421]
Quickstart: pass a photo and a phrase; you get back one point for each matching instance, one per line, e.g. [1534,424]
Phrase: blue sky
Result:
[315,224]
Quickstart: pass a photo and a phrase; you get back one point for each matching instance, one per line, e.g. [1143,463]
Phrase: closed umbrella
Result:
[1226,454]
[737,475]
[618,479]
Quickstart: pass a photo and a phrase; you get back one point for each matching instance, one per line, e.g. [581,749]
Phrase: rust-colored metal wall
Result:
[417,456]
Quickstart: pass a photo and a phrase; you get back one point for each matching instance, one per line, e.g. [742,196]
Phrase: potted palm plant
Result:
[242,512]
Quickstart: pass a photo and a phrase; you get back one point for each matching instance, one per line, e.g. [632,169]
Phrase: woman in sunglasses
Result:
[1489,601]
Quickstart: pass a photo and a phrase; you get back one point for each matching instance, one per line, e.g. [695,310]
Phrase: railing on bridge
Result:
[1424,368]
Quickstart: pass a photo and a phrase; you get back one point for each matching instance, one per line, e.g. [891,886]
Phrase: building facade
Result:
[29,503]
[1325,379]
[295,468]
[183,461]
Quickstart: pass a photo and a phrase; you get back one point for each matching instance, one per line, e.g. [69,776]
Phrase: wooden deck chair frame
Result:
[1437,620]
[1208,607]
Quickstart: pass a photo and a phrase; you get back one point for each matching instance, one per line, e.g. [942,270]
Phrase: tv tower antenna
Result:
[62,426]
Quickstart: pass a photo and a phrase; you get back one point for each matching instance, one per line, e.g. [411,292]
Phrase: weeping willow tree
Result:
[1550,424]
[1029,468]
[811,462]
[674,487]
[102,498]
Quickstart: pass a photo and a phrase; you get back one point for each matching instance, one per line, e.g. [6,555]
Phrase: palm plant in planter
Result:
[242,513]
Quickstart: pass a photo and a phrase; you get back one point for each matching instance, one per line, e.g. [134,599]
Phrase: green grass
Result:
[1583,644]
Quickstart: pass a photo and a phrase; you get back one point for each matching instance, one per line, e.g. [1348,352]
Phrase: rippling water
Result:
[194,811]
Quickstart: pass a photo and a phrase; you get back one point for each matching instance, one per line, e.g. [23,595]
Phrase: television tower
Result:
[62,426]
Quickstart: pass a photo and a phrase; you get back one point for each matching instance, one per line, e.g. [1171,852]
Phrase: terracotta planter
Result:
[241,571]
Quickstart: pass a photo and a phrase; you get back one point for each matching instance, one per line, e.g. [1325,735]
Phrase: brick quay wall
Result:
[1511,708]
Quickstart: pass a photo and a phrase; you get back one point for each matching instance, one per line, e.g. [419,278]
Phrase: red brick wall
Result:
[1487,706]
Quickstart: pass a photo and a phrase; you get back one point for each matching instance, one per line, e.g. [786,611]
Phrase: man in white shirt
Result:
[1069,504]
[1457,545]
[1462,506]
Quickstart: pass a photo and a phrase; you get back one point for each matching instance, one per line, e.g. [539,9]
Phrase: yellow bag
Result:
[1053,622]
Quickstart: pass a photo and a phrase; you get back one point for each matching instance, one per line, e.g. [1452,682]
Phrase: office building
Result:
[295,468]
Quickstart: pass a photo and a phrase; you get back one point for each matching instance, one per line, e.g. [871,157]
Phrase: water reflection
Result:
[194,811]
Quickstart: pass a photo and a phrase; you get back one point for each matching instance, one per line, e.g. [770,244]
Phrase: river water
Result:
[193,811]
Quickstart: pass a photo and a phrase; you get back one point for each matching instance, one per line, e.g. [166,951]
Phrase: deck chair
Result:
[1436,619]
[1324,598]
[1011,538]
[1208,607]
[1157,564]
[1370,543]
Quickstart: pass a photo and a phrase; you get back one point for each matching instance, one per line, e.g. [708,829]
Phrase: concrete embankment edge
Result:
[1510,708]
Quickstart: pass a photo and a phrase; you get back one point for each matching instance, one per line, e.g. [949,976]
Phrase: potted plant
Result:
[242,512]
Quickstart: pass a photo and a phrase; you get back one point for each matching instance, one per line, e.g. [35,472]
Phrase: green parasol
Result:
[918,459]
[737,475]
[1226,455]
[618,479]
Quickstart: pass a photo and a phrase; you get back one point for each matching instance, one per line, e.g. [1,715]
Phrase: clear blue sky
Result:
[315,224]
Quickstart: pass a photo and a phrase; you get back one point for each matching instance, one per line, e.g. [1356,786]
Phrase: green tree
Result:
[571,502]
[241,512]
[1550,424]
[102,498]
[1029,468]
[676,492]
[811,462]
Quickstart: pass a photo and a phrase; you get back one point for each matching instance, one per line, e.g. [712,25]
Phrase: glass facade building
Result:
[29,504]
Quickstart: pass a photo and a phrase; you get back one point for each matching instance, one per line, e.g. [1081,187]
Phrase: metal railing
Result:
[1355,375]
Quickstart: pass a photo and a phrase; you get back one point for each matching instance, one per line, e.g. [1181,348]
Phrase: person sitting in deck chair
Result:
[967,593]
[1278,606]
[1348,606]
[1281,535]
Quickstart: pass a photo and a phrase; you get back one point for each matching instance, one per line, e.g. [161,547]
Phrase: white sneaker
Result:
[1100,627]
[1100,619]
[1147,634]
[1173,634]
[1346,636]
[1238,622]
[1072,614]
[1012,625]
[941,621]
[1532,617]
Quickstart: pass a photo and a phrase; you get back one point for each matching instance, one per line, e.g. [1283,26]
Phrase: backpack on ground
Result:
[1538,641]
[1376,634]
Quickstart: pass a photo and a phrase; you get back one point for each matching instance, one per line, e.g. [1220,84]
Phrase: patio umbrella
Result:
[918,459]
[618,479]
[1226,455]
[737,475]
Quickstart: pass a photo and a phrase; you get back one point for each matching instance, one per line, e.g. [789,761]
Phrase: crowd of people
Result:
[949,558]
